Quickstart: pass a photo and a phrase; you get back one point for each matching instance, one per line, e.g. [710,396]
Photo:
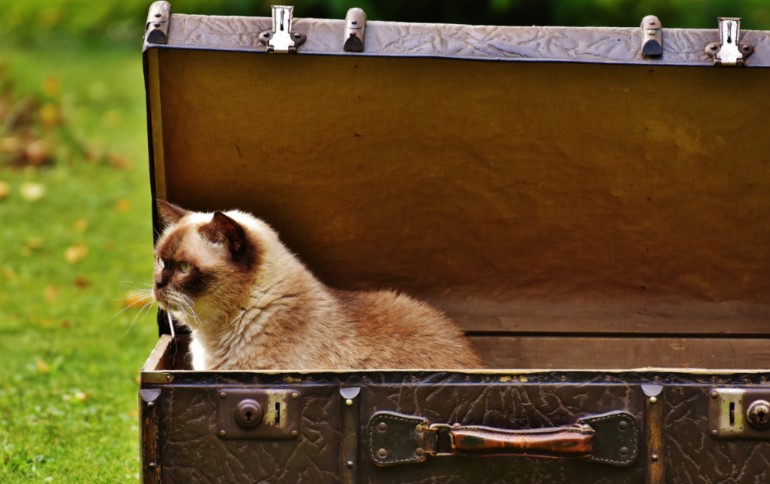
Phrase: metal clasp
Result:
[730,51]
[652,36]
[281,39]
[355,27]
[158,18]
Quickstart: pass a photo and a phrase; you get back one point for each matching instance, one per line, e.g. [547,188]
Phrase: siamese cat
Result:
[252,305]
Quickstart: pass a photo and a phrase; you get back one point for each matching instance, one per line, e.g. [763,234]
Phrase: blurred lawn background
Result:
[75,232]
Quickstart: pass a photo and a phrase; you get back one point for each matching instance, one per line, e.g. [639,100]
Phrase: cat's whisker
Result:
[142,311]
[140,299]
[171,326]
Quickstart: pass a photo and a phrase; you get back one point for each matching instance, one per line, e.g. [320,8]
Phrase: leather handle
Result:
[610,438]
[559,442]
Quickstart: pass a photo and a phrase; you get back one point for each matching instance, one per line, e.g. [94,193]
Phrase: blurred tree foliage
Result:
[29,20]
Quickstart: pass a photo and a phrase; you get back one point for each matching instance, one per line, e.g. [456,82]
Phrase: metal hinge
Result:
[281,39]
[156,29]
[729,51]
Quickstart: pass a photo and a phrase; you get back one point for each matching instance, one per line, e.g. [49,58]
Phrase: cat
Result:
[252,305]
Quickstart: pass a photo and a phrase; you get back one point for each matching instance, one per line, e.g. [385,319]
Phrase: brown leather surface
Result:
[191,451]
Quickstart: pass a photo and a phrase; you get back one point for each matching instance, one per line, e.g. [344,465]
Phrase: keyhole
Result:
[732,414]
[248,413]
[277,413]
[758,414]
[762,416]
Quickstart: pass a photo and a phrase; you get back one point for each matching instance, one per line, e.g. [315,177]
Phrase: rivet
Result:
[382,453]
[382,426]
[419,428]
[419,452]
[623,425]
[152,465]
[169,377]
[150,404]
[156,24]
[295,395]
[349,463]
[714,394]
[222,433]
[654,457]
[349,402]
[714,432]
[294,433]
[653,399]
[624,451]
[222,395]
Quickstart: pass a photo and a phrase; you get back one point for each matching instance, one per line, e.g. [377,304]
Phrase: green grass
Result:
[69,357]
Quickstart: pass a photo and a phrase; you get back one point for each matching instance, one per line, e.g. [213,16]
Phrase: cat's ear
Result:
[223,229]
[168,213]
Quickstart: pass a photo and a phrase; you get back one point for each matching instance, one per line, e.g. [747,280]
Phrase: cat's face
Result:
[203,262]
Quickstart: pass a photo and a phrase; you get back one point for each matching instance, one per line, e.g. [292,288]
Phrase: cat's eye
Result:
[184,266]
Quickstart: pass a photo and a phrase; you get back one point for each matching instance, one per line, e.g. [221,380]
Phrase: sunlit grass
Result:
[75,238]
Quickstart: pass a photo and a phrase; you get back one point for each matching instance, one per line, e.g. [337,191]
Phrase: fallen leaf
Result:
[113,117]
[76,253]
[31,191]
[51,86]
[81,282]
[66,325]
[123,205]
[5,190]
[118,162]
[34,243]
[80,225]
[42,367]
[136,299]
[37,153]
[80,396]
[10,144]
[51,294]
[9,274]
[49,115]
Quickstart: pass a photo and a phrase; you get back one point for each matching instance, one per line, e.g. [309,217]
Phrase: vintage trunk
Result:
[597,220]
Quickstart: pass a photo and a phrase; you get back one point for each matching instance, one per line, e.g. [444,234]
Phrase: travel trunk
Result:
[591,205]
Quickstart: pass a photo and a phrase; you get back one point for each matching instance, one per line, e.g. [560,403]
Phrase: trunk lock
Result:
[740,413]
[259,414]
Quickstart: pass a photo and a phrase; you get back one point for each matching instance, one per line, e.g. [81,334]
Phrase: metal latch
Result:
[652,36]
[355,28]
[246,414]
[729,51]
[281,39]
[740,413]
[156,29]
